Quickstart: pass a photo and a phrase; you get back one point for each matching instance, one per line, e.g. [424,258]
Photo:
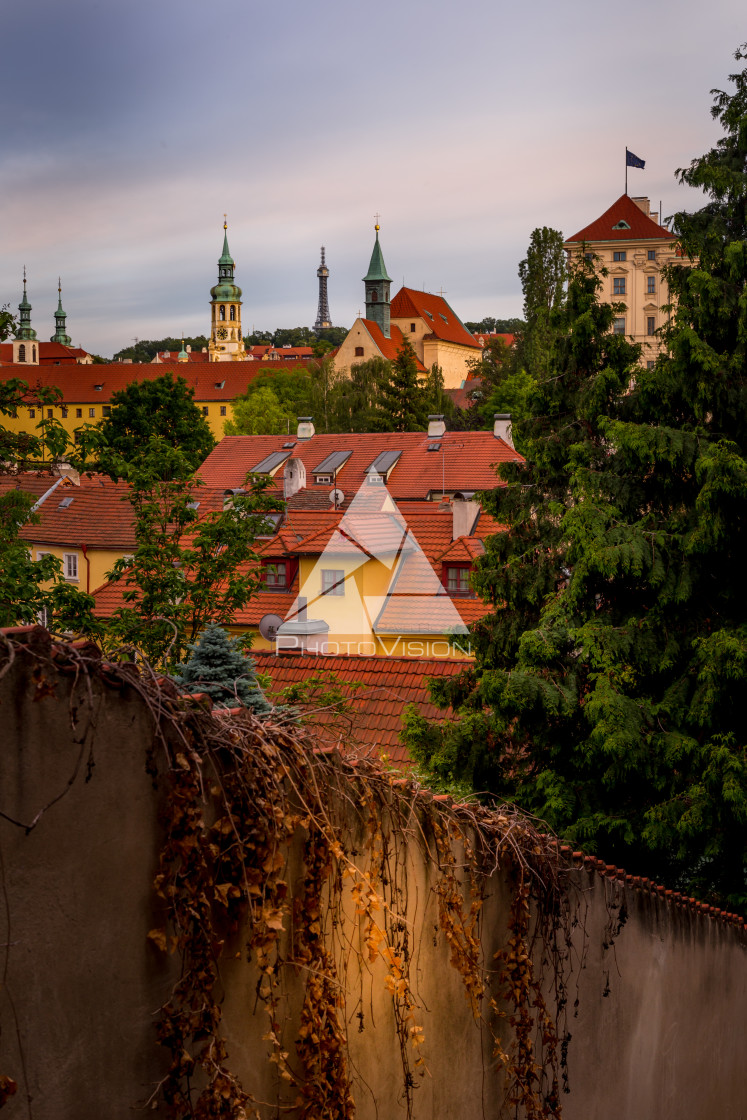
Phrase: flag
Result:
[633,161]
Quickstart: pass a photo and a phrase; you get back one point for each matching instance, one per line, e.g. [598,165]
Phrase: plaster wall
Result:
[657,1031]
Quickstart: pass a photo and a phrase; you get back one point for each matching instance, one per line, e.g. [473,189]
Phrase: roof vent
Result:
[502,427]
[220,384]
[436,426]
[305,427]
[98,388]
[622,224]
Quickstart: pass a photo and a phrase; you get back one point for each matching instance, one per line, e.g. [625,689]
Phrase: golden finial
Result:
[225,223]
[377,227]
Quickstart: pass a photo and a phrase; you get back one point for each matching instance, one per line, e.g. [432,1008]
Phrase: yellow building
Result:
[226,338]
[628,241]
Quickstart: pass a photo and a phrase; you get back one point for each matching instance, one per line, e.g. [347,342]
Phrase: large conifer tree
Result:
[608,690]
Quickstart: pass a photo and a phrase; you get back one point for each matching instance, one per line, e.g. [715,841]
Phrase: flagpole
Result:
[626,170]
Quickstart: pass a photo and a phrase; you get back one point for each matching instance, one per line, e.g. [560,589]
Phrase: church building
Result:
[434,330]
[26,349]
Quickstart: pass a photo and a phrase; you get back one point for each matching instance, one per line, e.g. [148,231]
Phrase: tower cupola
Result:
[226,339]
[60,331]
[25,346]
[378,288]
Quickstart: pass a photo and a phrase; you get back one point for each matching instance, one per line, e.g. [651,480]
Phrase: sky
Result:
[129,129]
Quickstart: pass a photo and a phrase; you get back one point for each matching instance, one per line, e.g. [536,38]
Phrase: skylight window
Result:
[429,315]
[66,503]
[434,446]
[622,224]
[442,316]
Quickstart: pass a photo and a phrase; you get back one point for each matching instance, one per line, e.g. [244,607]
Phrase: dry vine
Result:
[242,800]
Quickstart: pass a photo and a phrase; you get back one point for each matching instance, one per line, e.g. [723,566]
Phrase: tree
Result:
[609,688]
[402,399]
[189,568]
[219,668]
[542,274]
[163,408]
[259,413]
[145,349]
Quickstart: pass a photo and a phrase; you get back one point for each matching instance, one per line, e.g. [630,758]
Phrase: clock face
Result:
[222,332]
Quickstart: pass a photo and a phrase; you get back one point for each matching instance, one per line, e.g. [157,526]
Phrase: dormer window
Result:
[323,479]
[455,578]
[279,574]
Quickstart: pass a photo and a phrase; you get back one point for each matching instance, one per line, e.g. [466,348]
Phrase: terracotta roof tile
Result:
[214,381]
[388,685]
[441,319]
[389,347]
[624,209]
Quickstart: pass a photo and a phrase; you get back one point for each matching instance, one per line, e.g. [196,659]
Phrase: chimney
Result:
[463,514]
[294,478]
[643,204]
[64,470]
[188,348]
[436,426]
[305,427]
[502,427]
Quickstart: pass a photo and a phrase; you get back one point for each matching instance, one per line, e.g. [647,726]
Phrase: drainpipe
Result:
[84,549]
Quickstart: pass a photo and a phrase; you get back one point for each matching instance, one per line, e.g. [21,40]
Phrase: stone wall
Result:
[657,989]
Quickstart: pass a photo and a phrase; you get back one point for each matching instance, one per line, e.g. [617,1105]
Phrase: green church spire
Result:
[60,331]
[25,330]
[377,284]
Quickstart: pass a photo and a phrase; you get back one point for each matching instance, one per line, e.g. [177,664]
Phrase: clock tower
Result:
[226,339]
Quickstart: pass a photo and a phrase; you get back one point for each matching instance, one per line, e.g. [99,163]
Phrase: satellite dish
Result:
[268,626]
[336,497]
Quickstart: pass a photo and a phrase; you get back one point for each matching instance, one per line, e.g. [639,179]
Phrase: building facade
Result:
[628,241]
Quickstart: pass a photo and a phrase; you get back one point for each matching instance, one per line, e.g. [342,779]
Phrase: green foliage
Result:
[220,669]
[32,590]
[609,682]
[163,409]
[260,413]
[402,397]
[21,451]
[146,349]
[542,274]
[188,569]
[496,326]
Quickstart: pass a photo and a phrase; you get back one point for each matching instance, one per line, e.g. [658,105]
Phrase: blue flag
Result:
[633,161]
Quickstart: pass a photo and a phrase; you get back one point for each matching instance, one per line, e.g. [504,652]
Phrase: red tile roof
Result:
[441,319]
[388,685]
[214,381]
[485,338]
[641,226]
[281,353]
[465,461]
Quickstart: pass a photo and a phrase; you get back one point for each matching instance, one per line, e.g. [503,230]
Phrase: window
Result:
[33,353]
[70,565]
[32,413]
[276,575]
[651,325]
[204,410]
[92,413]
[457,580]
[650,365]
[79,413]
[222,313]
[618,326]
[333,581]
[650,285]
[22,353]
[64,413]
[106,410]
[618,286]
[619,255]
[323,479]
[232,313]
[412,328]
[50,413]
[223,410]
[359,351]
[41,555]
[589,257]
[652,254]
[374,296]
